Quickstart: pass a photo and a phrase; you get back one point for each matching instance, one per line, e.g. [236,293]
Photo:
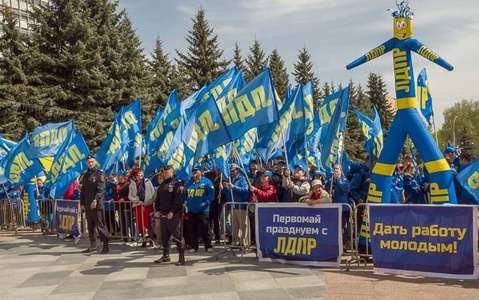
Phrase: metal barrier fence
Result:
[12,214]
[131,224]
[239,232]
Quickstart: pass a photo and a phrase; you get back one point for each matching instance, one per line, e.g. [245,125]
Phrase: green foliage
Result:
[303,73]
[237,58]
[203,61]
[377,95]
[255,62]
[14,88]
[354,137]
[86,64]
[279,73]
[460,121]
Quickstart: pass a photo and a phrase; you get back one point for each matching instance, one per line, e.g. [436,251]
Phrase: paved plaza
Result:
[33,266]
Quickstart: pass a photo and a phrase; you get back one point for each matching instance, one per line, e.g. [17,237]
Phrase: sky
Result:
[333,32]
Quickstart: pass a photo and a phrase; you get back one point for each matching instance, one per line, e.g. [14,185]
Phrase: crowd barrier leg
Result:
[236,229]
[353,223]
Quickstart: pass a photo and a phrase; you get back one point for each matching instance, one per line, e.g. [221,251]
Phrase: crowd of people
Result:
[143,211]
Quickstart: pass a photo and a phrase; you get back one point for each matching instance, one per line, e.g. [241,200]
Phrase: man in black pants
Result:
[92,194]
[168,208]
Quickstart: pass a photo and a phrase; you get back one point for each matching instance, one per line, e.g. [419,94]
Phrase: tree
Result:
[255,62]
[354,138]
[87,64]
[202,63]
[237,58]
[14,90]
[377,95]
[466,114]
[303,73]
[162,70]
[279,73]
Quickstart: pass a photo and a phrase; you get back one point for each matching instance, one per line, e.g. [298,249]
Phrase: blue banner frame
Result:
[68,217]
[299,234]
[429,240]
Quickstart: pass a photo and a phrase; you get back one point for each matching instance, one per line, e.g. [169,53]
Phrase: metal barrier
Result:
[12,214]
[131,224]
[241,235]
[236,227]
[46,210]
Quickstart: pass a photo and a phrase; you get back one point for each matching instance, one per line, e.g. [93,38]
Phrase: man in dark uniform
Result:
[92,194]
[168,208]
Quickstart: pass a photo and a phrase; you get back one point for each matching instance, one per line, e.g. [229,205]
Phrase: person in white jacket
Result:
[140,193]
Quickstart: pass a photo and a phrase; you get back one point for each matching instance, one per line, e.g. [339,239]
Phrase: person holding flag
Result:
[297,186]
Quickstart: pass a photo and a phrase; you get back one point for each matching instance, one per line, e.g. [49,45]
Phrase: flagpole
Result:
[139,158]
[241,163]
[435,131]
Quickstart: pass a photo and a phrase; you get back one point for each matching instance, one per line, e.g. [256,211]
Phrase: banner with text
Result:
[299,234]
[428,240]
[67,216]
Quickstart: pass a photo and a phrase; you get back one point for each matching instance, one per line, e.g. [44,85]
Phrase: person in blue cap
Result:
[451,154]
[237,191]
[199,195]
[296,186]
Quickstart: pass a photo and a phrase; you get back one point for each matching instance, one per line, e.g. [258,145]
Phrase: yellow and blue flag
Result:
[372,131]
[424,96]
[46,140]
[19,167]
[333,115]
[5,146]
[254,106]
[469,181]
[68,165]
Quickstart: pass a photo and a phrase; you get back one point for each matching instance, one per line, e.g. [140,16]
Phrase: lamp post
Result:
[454,131]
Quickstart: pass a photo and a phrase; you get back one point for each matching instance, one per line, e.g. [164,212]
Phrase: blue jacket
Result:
[340,191]
[199,195]
[241,192]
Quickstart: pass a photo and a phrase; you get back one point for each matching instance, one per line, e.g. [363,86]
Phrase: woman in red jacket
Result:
[264,192]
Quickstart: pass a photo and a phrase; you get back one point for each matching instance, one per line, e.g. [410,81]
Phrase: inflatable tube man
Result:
[407,120]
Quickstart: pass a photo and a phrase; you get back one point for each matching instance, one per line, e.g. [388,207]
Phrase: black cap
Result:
[166,168]
[89,157]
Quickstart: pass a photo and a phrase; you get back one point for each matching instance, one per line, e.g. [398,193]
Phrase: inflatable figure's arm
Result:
[376,52]
[427,53]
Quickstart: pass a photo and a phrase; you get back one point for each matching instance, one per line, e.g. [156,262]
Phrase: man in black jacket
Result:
[92,194]
[169,201]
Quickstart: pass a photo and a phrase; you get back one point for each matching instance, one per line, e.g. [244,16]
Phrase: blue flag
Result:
[206,129]
[273,136]
[129,119]
[372,131]
[228,94]
[254,106]
[221,157]
[46,140]
[18,166]
[469,180]
[333,114]
[424,97]
[163,121]
[308,109]
[180,156]
[112,148]
[160,133]
[68,165]
[5,146]
[214,89]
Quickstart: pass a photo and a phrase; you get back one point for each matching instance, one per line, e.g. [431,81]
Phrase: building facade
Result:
[22,9]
